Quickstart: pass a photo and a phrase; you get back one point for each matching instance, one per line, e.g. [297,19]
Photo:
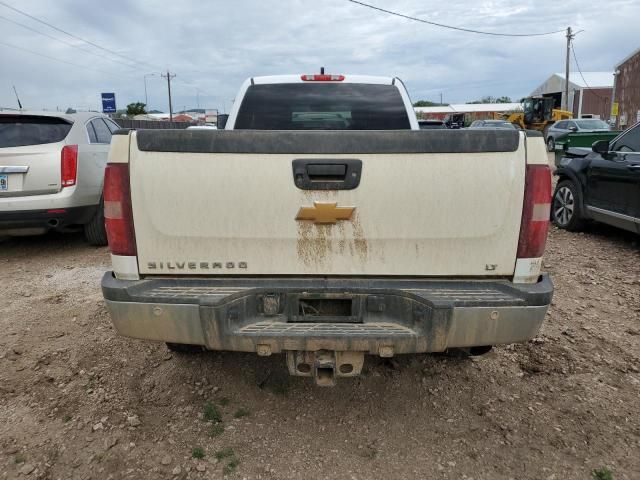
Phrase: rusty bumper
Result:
[379,316]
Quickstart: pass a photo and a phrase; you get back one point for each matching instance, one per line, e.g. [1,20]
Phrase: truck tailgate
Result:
[428,203]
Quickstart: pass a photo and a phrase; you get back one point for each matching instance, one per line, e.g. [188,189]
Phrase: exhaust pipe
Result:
[53,222]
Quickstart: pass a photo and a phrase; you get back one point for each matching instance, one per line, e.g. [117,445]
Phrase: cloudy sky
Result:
[213,45]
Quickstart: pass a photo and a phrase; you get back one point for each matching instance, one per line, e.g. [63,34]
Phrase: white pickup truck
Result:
[322,223]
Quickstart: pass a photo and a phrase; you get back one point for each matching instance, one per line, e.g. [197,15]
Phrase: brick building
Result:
[627,90]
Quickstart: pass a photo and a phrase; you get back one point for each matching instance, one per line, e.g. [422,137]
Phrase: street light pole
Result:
[146,100]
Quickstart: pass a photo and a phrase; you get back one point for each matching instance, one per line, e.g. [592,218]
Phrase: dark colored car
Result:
[601,183]
[431,124]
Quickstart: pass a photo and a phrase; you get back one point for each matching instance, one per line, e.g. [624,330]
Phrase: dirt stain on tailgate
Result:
[317,242]
[359,240]
[314,243]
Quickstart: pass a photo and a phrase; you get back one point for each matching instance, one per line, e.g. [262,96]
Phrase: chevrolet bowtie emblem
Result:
[325,212]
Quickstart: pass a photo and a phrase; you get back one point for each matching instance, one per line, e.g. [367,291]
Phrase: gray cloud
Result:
[213,46]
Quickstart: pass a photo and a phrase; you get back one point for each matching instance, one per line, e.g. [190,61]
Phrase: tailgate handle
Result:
[327,172]
[320,174]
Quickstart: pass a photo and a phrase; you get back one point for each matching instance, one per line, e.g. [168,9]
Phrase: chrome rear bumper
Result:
[383,317]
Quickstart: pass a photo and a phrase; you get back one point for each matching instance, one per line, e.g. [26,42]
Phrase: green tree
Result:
[427,103]
[491,99]
[137,108]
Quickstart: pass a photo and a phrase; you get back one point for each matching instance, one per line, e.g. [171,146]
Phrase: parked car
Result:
[455,120]
[601,183]
[492,124]
[327,245]
[51,172]
[431,124]
[563,127]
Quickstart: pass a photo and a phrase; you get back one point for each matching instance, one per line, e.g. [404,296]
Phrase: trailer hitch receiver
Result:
[325,366]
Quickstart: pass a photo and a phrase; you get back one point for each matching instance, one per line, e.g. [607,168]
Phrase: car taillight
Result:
[535,212]
[322,78]
[69,165]
[117,210]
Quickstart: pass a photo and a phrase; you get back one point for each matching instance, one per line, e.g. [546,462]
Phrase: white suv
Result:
[51,172]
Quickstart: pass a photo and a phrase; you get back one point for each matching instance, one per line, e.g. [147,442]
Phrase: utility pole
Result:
[565,102]
[17,97]
[169,76]
[440,99]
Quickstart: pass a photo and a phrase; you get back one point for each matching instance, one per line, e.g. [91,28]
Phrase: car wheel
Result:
[551,144]
[94,231]
[566,211]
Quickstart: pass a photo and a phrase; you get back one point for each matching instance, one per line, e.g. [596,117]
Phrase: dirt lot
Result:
[77,401]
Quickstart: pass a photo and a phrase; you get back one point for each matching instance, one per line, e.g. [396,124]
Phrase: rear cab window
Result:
[322,106]
[24,130]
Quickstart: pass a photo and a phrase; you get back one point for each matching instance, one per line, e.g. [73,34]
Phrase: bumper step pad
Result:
[267,329]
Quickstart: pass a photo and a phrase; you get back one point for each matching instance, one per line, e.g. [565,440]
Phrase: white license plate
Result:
[4,182]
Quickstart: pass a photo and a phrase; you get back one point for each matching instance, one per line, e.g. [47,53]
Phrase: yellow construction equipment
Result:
[537,114]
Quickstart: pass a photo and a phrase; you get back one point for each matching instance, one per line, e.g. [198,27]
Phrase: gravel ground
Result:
[77,401]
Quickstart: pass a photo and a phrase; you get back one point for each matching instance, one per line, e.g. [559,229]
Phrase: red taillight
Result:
[322,78]
[117,210]
[69,165]
[535,212]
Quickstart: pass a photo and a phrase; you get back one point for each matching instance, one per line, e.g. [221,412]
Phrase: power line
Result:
[76,46]
[64,42]
[580,71]
[442,25]
[55,59]
[112,52]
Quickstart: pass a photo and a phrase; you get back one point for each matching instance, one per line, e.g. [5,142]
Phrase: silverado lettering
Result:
[176,265]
